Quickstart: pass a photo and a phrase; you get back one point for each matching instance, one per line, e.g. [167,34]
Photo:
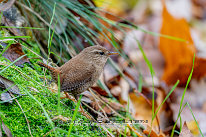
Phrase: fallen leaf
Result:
[179,55]
[10,85]
[6,97]
[152,133]
[192,126]
[100,91]
[5,129]
[14,52]
[185,131]
[187,116]
[142,109]
[198,9]
[142,105]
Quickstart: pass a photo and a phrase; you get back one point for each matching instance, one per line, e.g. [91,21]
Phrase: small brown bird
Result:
[82,71]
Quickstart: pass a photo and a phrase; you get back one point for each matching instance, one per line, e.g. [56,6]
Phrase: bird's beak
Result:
[112,53]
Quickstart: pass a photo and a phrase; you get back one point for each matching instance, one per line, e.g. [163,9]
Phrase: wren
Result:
[82,71]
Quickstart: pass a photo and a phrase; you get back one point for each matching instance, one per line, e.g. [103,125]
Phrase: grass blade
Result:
[195,119]
[14,37]
[149,64]
[74,115]
[50,38]
[173,88]
[183,95]
[58,106]
[12,63]
[6,48]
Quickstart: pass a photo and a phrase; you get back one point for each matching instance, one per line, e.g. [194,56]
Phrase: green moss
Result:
[26,78]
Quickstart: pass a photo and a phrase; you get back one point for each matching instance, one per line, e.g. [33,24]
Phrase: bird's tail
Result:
[46,66]
[53,71]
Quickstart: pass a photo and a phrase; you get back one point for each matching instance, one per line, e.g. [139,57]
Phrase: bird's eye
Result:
[101,53]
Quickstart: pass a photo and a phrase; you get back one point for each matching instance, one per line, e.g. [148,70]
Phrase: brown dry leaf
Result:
[198,8]
[185,131]
[14,52]
[5,129]
[153,133]
[100,91]
[142,105]
[143,109]
[6,83]
[179,55]
[10,85]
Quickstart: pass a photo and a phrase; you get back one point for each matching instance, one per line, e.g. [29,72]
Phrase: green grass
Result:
[13,37]
[194,119]
[182,99]
[74,116]
[40,107]
[157,110]
[149,64]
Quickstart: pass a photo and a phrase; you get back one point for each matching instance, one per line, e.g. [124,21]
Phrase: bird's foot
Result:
[85,113]
[69,97]
[82,111]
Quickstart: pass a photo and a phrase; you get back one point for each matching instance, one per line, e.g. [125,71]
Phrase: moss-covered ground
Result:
[30,80]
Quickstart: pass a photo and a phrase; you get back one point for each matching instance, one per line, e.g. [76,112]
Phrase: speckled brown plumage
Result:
[82,71]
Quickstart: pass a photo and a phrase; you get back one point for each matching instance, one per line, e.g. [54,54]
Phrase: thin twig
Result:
[109,133]
[108,106]
[48,132]
[98,104]
[92,109]
[85,113]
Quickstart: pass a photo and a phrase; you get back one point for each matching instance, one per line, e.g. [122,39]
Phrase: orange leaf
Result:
[178,55]
[152,133]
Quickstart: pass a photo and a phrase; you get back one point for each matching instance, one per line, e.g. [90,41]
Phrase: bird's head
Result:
[97,54]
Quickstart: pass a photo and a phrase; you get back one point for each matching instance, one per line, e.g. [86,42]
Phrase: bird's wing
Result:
[76,78]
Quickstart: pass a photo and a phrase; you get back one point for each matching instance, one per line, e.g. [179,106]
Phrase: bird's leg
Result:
[85,112]
[69,97]
[81,108]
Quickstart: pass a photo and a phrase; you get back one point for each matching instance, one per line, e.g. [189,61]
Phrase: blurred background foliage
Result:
[74,26]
